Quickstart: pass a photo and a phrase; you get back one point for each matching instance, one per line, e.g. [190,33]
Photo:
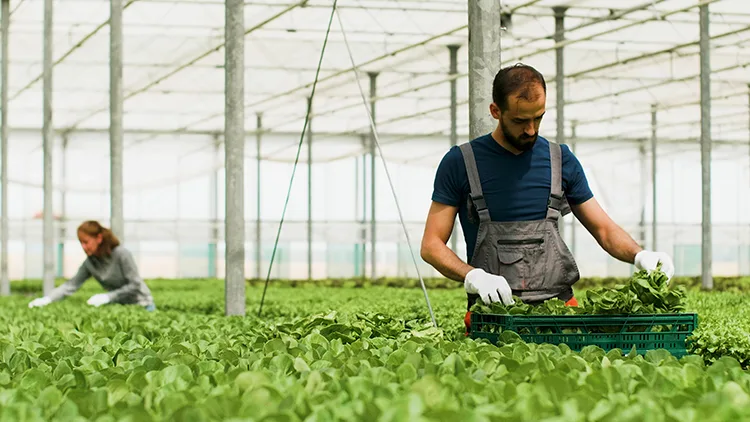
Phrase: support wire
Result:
[385,166]
[296,160]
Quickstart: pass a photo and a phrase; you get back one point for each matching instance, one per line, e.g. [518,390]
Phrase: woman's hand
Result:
[99,299]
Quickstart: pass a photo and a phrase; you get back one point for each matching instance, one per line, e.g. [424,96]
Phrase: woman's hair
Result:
[109,240]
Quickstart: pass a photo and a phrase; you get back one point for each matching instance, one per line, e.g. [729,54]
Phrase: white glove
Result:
[39,302]
[99,299]
[490,287]
[647,260]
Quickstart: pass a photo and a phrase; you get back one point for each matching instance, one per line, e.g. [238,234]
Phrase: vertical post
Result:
[644,195]
[258,237]
[213,209]
[4,238]
[484,62]
[63,210]
[373,235]
[178,208]
[309,190]
[654,218]
[117,222]
[48,253]
[705,84]
[234,150]
[357,259]
[560,84]
[453,71]
[573,142]
[363,224]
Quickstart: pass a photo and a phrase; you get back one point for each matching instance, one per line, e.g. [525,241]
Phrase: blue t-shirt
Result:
[515,187]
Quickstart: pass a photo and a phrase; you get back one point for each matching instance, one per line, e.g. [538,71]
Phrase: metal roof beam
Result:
[78,45]
[188,64]
[631,60]
[662,108]
[424,42]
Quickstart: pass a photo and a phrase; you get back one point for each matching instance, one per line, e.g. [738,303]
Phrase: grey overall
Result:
[531,255]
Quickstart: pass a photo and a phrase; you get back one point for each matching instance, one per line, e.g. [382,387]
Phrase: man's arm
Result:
[610,236]
[434,250]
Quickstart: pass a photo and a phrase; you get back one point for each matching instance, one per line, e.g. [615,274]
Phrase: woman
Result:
[111,265]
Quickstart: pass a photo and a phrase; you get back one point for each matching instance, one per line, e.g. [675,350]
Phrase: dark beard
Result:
[522,143]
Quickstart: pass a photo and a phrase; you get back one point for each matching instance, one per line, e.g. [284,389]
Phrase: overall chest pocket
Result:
[521,261]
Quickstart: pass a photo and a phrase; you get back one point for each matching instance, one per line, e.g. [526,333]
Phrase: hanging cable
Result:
[385,166]
[296,160]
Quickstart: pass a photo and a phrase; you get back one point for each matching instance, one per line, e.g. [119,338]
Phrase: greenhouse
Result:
[277,160]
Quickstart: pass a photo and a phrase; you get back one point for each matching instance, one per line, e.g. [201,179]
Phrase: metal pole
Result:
[213,210]
[453,71]
[654,218]
[373,235]
[309,190]
[4,277]
[560,85]
[63,210]
[117,222]
[644,194]
[484,62]
[363,224]
[357,259]
[573,138]
[234,150]
[258,244]
[48,251]
[705,84]
[178,257]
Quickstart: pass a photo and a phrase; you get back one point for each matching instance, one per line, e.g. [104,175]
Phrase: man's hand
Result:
[490,287]
[647,260]
[99,300]
[39,302]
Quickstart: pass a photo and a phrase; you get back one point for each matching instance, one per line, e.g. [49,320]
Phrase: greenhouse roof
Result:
[621,58]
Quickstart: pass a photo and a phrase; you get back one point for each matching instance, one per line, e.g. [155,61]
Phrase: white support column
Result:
[234,147]
[363,224]
[117,222]
[48,139]
[453,71]
[309,191]
[573,139]
[63,210]
[705,101]
[373,154]
[643,177]
[258,180]
[654,218]
[560,84]
[213,209]
[484,62]
[4,238]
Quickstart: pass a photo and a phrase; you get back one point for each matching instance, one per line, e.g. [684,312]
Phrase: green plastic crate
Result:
[644,331]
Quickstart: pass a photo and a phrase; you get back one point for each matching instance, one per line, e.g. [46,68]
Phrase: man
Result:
[509,188]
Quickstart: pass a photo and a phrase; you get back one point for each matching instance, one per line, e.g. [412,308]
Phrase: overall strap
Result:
[477,197]
[557,204]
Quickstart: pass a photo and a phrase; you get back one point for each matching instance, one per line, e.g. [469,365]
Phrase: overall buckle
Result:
[555,201]
[479,202]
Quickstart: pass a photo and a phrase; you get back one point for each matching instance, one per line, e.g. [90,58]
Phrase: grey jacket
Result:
[118,274]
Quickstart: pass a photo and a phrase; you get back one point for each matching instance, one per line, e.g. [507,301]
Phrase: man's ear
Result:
[495,111]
